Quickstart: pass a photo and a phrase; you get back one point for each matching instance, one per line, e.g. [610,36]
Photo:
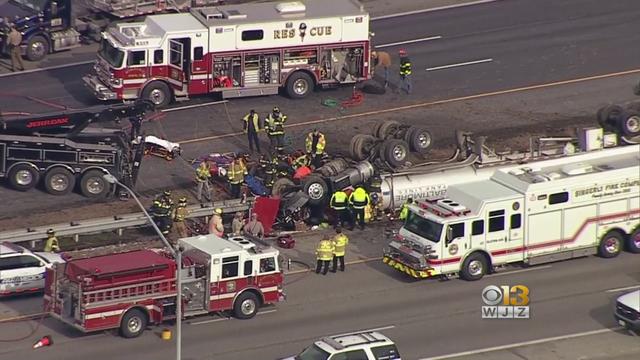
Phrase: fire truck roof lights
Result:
[431,205]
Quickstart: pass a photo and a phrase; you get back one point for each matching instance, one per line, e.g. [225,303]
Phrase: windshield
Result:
[111,54]
[36,5]
[313,353]
[422,227]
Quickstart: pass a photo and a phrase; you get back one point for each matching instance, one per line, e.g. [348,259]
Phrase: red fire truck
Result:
[129,290]
[235,50]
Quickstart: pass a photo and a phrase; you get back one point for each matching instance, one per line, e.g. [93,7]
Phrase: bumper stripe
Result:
[418,274]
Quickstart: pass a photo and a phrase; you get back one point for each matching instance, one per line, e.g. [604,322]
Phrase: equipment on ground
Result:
[161,148]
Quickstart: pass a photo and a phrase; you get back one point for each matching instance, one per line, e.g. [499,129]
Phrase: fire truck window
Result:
[248,267]
[252,35]
[230,267]
[198,53]
[457,230]
[158,56]
[516,221]
[136,58]
[496,223]
[477,227]
[558,198]
[267,265]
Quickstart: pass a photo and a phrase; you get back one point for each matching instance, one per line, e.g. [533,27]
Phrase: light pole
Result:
[174,251]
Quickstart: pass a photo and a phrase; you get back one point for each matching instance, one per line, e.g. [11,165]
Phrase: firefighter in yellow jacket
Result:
[179,215]
[237,171]
[315,144]
[324,255]
[359,200]
[51,245]
[340,242]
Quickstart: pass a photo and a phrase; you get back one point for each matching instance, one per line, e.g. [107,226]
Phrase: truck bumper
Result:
[98,89]
[415,273]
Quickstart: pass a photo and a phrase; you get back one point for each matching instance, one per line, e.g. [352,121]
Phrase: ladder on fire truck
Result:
[132,8]
[155,287]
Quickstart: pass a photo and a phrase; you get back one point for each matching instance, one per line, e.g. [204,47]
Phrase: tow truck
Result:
[60,148]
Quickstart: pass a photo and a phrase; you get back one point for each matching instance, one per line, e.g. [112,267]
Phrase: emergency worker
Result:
[405,71]
[166,198]
[339,204]
[238,223]
[251,127]
[161,214]
[14,41]
[203,174]
[340,242]
[358,200]
[382,58]
[51,244]
[404,212]
[324,254]
[268,167]
[215,225]
[275,124]
[315,144]
[236,174]
[179,215]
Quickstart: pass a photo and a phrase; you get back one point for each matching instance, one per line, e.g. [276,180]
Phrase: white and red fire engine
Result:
[129,290]
[235,50]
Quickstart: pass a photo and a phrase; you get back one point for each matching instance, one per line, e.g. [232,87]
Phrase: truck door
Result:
[516,233]
[457,240]
[3,157]
[179,63]
[497,234]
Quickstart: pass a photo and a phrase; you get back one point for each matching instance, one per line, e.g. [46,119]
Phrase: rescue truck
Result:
[129,290]
[235,51]
[533,213]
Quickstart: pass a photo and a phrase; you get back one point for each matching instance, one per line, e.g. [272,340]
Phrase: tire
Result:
[610,245]
[386,128]
[23,177]
[629,123]
[420,140]
[37,48]
[246,306]
[633,242]
[299,85]
[316,189]
[59,181]
[133,323]
[158,93]
[607,116]
[636,89]
[280,186]
[474,267]
[361,145]
[395,152]
[93,185]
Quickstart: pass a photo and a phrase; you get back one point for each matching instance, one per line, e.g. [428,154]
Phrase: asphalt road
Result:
[529,43]
[425,318]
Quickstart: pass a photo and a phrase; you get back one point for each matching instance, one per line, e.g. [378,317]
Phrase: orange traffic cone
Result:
[44,341]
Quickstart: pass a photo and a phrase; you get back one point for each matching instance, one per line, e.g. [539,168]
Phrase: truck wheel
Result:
[395,152]
[316,188]
[385,128]
[419,140]
[633,242]
[246,306]
[280,186]
[299,85]
[361,145]
[37,48]
[93,185]
[23,177]
[59,181]
[474,267]
[610,245]
[629,123]
[158,93]
[607,115]
[133,323]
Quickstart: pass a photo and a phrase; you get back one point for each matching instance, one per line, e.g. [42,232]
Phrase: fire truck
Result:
[128,291]
[235,51]
[533,213]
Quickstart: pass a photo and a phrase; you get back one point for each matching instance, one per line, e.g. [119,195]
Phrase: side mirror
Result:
[449,235]
[42,264]
[54,8]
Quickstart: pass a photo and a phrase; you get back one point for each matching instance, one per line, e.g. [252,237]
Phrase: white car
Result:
[368,345]
[627,310]
[23,271]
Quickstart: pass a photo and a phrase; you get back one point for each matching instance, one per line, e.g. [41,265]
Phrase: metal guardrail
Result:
[115,223]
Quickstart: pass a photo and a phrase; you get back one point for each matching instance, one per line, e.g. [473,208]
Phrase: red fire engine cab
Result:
[235,50]
[129,290]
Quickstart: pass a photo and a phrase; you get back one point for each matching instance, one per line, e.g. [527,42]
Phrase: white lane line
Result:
[414,12]
[525,343]
[368,330]
[623,289]
[194,106]
[408,41]
[225,319]
[459,64]
[520,271]
[47,68]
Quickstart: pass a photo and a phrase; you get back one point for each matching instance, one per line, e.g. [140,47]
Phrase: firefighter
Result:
[14,40]
[324,255]
[215,225]
[203,174]
[338,203]
[179,215]
[315,144]
[268,169]
[405,71]
[166,198]
[236,173]
[359,199]
[404,212]
[300,161]
[254,227]
[382,58]
[275,123]
[251,127]
[51,245]
[238,223]
[161,213]
[340,242]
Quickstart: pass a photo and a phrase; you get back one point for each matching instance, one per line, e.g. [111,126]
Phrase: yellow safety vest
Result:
[338,200]
[51,244]
[405,67]
[276,124]
[368,213]
[203,173]
[359,199]
[405,211]
[319,147]
[236,173]
[324,251]
[340,243]
[181,213]
[256,122]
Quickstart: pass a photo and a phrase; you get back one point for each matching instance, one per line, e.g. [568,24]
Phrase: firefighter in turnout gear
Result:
[51,245]
[251,127]
[179,215]
[161,213]
[203,174]
[237,171]
[405,71]
[404,212]
[340,242]
[315,144]
[215,225]
[359,199]
[339,204]
[166,198]
[275,129]
[324,255]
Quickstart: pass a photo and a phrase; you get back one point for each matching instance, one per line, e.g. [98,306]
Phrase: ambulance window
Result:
[198,53]
[230,267]
[267,265]
[248,267]
[558,198]
[516,221]
[158,56]
[252,35]
[477,227]
[496,220]
[136,58]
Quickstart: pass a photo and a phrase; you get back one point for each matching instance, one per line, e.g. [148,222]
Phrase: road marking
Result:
[355,262]
[414,12]
[194,106]
[225,319]
[623,289]
[459,64]
[23,317]
[525,343]
[368,330]
[47,68]
[431,103]
[408,41]
[520,271]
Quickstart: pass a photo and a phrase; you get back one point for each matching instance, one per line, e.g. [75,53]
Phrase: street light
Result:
[175,252]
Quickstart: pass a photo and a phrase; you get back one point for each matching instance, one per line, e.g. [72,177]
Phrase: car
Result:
[368,345]
[627,310]
[23,271]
